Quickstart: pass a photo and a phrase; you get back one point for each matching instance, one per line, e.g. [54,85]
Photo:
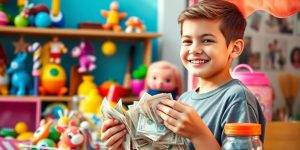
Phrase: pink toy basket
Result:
[259,85]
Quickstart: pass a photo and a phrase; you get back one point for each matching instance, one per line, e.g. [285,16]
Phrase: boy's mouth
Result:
[198,61]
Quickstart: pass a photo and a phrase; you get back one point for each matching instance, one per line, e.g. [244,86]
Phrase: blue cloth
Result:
[154,92]
[232,102]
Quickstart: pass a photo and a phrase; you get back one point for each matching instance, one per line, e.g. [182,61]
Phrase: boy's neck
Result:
[209,84]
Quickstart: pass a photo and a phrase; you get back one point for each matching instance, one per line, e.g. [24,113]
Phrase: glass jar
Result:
[242,136]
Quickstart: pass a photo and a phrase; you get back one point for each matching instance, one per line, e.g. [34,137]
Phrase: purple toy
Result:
[84,52]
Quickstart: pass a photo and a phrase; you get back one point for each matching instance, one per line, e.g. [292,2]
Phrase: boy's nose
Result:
[195,49]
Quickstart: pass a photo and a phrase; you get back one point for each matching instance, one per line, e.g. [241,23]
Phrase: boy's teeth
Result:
[198,61]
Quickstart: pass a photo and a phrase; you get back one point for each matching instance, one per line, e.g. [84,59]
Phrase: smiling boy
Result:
[211,37]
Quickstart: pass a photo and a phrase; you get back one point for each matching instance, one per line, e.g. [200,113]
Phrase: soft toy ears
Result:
[277,8]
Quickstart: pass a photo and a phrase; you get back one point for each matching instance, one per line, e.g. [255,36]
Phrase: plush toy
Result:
[163,77]
[71,137]
[42,132]
[113,17]
[135,24]
[84,52]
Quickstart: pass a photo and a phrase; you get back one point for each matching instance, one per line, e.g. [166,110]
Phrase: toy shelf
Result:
[86,33]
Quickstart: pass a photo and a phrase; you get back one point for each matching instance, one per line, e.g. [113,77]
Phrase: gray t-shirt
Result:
[232,102]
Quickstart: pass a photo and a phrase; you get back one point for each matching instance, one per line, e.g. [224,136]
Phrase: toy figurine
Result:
[53,80]
[84,52]
[134,23]
[113,17]
[71,137]
[56,48]
[20,79]
[163,77]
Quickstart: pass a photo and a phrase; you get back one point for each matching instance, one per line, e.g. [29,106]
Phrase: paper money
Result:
[145,128]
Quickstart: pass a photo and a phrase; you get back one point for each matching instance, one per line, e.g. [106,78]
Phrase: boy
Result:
[211,33]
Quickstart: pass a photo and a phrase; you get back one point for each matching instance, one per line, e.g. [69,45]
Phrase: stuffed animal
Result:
[163,77]
[113,17]
[84,52]
[135,24]
[72,137]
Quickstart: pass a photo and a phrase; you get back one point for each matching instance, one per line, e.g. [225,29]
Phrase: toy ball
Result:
[25,136]
[45,143]
[21,21]
[109,48]
[21,127]
[3,19]
[42,20]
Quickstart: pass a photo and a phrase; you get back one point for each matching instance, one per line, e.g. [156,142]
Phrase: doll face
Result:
[162,79]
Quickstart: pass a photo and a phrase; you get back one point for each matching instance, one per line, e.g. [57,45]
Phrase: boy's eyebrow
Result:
[201,36]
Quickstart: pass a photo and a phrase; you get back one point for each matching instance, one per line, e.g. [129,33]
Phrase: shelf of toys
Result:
[24,102]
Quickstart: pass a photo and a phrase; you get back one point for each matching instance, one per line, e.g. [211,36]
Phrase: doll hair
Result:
[166,65]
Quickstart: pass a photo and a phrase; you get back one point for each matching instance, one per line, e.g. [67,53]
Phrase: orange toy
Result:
[134,23]
[113,17]
[42,132]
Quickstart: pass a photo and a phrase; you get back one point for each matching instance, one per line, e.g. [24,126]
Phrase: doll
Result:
[163,77]
[56,48]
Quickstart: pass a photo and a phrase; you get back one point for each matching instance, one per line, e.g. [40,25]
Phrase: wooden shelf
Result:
[92,33]
[146,37]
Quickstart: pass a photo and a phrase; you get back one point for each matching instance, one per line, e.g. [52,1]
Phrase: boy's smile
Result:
[203,49]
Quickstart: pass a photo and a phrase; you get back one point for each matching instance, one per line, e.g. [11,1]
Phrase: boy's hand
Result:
[113,134]
[180,118]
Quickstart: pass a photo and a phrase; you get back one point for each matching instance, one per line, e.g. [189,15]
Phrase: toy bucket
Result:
[258,83]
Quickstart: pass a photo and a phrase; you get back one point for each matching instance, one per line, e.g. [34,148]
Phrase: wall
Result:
[76,11]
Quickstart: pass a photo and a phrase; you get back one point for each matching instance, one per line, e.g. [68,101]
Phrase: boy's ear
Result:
[237,49]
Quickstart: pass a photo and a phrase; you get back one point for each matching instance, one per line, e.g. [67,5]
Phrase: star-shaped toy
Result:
[20,46]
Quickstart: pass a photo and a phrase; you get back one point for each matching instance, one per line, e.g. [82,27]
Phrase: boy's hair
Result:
[233,22]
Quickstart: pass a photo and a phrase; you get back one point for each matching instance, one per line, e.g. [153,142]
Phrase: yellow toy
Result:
[113,17]
[134,24]
[91,103]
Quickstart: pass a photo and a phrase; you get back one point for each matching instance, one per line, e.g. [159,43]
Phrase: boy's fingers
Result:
[117,144]
[112,141]
[168,111]
[108,124]
[173,104]
[166,118]
[112,131]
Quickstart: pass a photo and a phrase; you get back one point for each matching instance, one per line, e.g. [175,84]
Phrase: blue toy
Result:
[20,79]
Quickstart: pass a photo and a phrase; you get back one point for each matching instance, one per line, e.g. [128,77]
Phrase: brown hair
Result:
[233,22]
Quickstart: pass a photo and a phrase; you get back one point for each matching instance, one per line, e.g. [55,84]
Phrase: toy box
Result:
[15,109]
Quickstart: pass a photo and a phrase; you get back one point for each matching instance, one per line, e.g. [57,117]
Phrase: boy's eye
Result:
[186,42]
[207,41]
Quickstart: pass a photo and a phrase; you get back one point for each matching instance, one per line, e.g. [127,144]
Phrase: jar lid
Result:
[242,129]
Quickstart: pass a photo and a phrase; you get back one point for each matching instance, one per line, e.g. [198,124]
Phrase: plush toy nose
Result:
[77,139]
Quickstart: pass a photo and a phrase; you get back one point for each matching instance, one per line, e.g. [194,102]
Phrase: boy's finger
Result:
[115,138]
[118,143]
[168,110]
[108,124]
[173,104]
[112,131]
[166,118]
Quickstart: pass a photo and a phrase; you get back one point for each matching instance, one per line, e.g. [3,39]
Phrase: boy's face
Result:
[204,52]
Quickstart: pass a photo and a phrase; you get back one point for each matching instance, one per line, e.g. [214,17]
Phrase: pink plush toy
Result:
[84,52]
[71,137]
[163,77]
